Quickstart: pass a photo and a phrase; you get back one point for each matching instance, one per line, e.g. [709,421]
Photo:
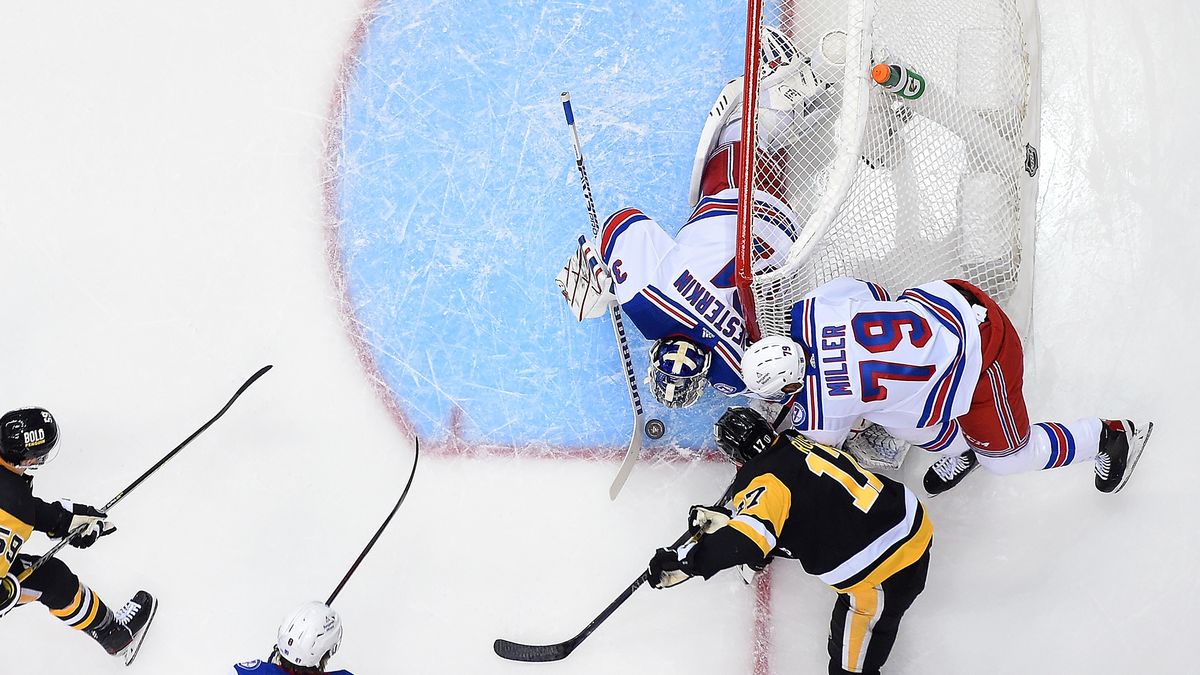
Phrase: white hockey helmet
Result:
[310,635]
[771,364]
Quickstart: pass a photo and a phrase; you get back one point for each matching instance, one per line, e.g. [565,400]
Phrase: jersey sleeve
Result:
[761,510]
[632,246]
[51,518]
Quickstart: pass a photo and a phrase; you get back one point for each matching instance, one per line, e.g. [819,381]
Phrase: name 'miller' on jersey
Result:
[908,363]
[684,286]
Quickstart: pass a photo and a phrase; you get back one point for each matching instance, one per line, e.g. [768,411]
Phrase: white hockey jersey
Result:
[911,363]
[684,286]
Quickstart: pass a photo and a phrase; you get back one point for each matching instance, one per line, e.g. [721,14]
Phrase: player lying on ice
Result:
[307,639]
[27,437]
[679,291]
[865,535]
[941,367]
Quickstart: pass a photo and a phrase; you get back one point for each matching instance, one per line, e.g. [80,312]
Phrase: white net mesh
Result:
[899,190]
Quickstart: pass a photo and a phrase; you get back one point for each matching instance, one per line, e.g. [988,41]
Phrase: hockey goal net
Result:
[929,175]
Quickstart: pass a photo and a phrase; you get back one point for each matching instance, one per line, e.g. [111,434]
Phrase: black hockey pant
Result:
[864,624]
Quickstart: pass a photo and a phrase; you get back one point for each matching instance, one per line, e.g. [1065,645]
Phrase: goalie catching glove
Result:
[585,283]
[93,520]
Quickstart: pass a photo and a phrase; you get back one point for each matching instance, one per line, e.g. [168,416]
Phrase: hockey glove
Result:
[708,519]
[666,569]
[585,283]
[10,593]
[94,522]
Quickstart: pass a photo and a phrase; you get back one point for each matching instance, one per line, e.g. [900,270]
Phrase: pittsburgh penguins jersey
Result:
[684,286]
[802,500]
[264,668]
[21,513]
[908,363]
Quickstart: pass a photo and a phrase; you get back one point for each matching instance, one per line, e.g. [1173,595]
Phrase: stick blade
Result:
[631,457]
[514,651]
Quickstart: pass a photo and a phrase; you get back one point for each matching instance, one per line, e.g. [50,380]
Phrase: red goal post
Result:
[933,177]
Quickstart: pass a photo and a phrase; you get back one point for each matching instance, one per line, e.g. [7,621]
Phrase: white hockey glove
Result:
[95,523]
[10,593]
[585,283]
[708,519]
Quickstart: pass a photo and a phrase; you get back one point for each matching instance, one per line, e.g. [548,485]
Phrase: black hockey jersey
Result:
[801,500]
[21,513]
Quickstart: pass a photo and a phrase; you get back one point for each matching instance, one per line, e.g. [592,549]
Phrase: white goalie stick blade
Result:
[135,646]
[631,457]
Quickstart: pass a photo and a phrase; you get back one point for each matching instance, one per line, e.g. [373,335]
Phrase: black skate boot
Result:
[135,616]
[948,472]
[111,634]
[1121,444]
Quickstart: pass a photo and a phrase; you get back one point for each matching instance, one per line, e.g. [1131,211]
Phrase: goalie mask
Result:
[742,434]
[772,366]
[678,368]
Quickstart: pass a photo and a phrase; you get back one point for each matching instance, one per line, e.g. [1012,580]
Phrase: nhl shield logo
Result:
[1031,160]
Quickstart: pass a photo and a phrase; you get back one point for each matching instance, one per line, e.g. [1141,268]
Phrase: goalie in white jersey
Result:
[679,291]
[940,367]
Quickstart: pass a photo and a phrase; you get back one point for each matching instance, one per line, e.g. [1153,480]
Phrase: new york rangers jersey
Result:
[911,363]
[684,286]
[263,668]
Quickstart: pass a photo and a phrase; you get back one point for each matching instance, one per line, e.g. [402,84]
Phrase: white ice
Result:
[162,236]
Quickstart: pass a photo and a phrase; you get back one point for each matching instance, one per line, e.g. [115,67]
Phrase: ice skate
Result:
[948,472]
[1121,444]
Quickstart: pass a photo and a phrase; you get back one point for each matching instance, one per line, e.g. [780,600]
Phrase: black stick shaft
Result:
[515,651]
[361,556]
[123,493]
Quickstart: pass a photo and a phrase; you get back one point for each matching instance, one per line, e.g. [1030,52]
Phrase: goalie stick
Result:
[614,312]
[123,493]
[515,651]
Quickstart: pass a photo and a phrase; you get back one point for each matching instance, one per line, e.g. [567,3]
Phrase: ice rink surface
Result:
[165,202]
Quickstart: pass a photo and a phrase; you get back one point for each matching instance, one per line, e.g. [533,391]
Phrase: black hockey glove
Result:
[94,522]
[666,569]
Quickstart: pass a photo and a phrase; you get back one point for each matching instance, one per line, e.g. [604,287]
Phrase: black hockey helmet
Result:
[27,436]
[742,434]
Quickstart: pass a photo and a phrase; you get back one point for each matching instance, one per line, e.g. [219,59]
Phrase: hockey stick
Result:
[614,312]
[123,493]
[413,473]
[515,651]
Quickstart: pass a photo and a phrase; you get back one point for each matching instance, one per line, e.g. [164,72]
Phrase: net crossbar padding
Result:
[889,189]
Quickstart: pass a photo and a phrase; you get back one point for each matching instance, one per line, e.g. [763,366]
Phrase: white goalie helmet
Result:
[771,364]
[310,635]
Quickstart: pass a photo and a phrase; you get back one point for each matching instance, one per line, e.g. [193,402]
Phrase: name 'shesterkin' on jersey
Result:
[724,319]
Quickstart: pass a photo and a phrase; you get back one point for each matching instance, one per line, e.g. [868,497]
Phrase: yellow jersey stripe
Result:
[755,532]
[909,553]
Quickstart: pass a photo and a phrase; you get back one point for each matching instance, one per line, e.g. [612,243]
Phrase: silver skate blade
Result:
[1137,443]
